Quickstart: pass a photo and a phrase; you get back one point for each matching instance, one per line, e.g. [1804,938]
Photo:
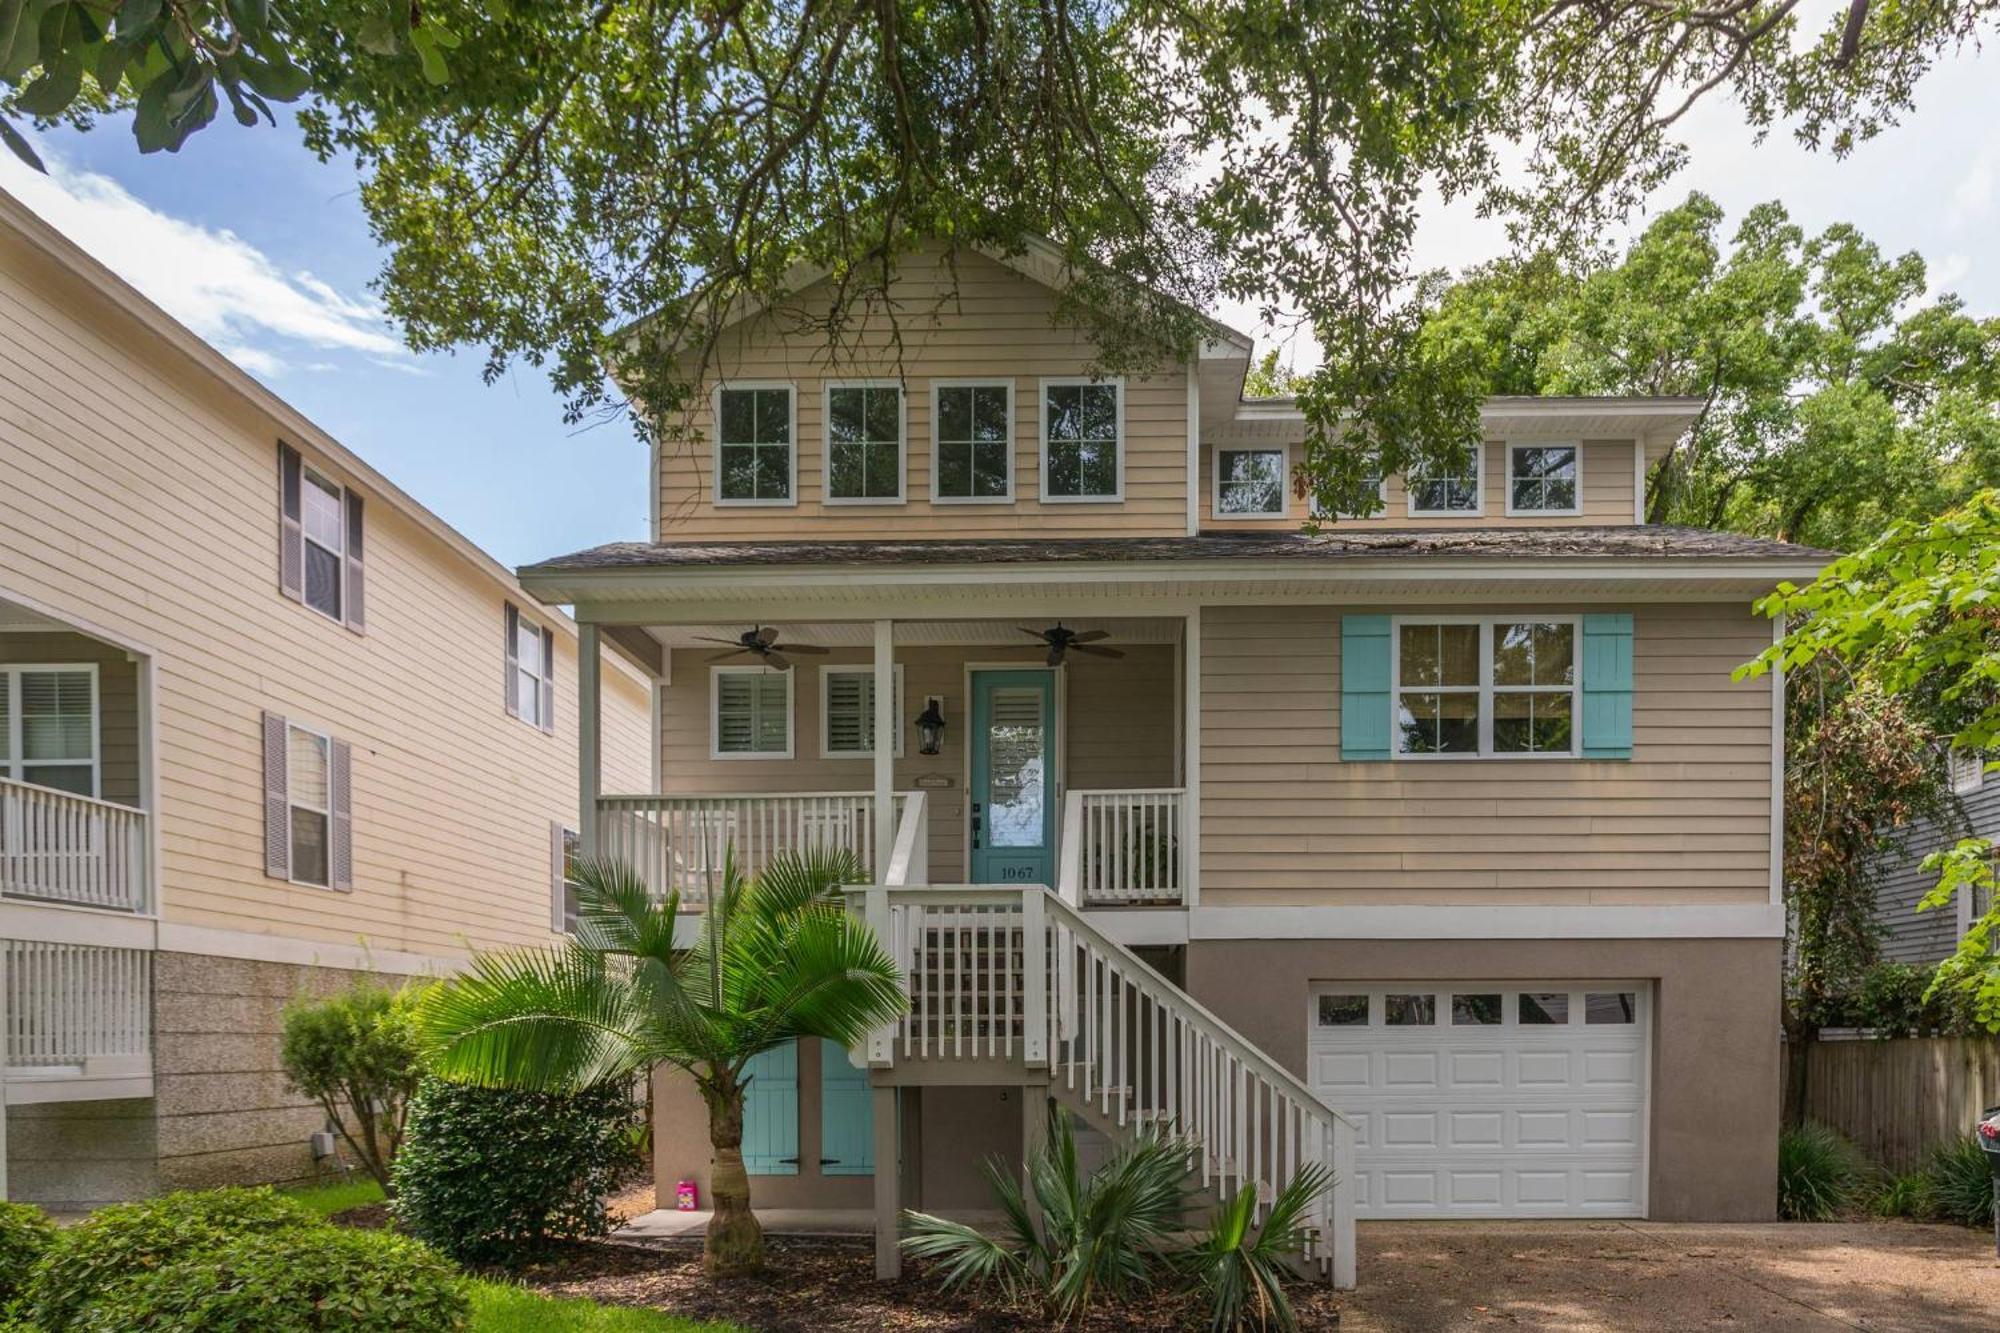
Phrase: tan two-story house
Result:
[266,725]
[1437,845]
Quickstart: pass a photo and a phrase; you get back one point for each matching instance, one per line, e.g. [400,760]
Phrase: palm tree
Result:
[775,959]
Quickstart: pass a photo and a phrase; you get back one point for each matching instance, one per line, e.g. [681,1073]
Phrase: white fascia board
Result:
[1473,922]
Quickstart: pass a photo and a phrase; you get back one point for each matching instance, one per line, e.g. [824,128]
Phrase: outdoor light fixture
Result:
[930,725]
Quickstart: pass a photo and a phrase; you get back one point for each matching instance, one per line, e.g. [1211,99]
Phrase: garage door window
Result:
[1409,1011]
[1475,1010]
[1544,1008]
[1338,1011]
[1606,1008]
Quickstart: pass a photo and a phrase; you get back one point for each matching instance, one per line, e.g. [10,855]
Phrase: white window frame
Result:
[1487,689]
[937,386]
[1478,510]
[544,652]
[292,801]
[1117,385]
[1575,447]
[826,675]
[14,766]
[715,442]
[1967,769]
[1381,509]
[1283,511]
[308,474]
[715,750]
[826,443]
[559,881]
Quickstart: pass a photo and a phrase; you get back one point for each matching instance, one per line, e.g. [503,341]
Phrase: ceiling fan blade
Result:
[764,634]
[1095,651]
[805,648]
[772,657]
[733,643]
[724,657]
[1056,655]
[1041,634]
[1090,636]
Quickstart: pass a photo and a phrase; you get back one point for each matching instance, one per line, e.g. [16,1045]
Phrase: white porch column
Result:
[1191,762]
[589,734]
[885,747]
[888,1181]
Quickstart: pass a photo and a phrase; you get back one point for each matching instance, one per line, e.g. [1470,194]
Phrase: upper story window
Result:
[755,463]
[1968,771]
[1372,481]
[320,532]
[1544,479]
[1250,482]
[530,687]
[326,543]
[847,712]
[308,805]
[750,713]
[48,726]
[864,444]
[972,430]
[309,781]
[1486,687]
[1436,492]
[1083,428]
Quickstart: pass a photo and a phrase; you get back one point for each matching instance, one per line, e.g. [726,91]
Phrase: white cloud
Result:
[225,289]
[1973,198]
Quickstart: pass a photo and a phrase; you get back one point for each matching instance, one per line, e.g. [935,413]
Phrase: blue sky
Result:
[264,252]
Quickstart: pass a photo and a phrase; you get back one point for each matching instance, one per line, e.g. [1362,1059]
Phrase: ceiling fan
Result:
[761,642]
[1060,639]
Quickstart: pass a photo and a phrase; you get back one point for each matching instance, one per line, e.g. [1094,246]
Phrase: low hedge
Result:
[25,1235]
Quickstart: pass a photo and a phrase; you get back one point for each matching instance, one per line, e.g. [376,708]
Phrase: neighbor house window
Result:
[326,543]
[864,443]
[1454,491]
[48,727]
[847,712]
[754,462]
[1486,687]
[973,434]
[1082,425]
[1249,483]
[309,789]
[1543,479]
[752,714]
[531,670]
[1968,771]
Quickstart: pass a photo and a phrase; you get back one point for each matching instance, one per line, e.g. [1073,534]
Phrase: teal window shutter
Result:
[771,1112]
[1364,687]
[1607,685]
[846,1115]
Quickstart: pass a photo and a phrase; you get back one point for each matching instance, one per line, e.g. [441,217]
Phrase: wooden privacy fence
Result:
[1900,1098]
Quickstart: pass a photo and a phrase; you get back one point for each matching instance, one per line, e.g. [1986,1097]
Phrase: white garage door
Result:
[1477,1100]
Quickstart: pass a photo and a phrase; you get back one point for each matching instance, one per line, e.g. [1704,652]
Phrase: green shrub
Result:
[25,1233]
[1905,1196]
[307,1280]
[1820,1175]
[1959,1184]
[491,1176]
[130,1238]
[357,1054]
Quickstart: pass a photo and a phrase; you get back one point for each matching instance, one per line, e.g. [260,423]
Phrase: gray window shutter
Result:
[548,680]
[340,800]
[291,530]
[559,917]
[510,624]
[277,801]
[356,600]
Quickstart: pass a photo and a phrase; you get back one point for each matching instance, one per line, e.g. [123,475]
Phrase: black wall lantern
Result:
[930,725]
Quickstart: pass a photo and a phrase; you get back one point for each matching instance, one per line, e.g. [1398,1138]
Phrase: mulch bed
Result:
[829,1284]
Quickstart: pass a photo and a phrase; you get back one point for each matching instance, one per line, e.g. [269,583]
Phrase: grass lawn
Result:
[500,1308]
[326,1200]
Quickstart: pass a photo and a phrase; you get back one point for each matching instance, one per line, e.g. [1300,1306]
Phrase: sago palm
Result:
[774,959]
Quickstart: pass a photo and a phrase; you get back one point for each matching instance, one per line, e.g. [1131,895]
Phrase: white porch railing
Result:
[1124,848]
[76,1008]
[61,848]
[1010,973]
[678,842]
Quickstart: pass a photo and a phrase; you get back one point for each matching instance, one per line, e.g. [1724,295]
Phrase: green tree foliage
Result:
[1832,398]
[774,959]
[357,1054]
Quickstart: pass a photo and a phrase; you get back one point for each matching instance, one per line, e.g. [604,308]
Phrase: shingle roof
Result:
[1498,543]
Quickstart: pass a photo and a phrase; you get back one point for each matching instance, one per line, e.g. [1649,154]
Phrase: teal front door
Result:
[1013,777]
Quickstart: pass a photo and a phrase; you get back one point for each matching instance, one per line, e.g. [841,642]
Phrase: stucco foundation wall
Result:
[1715,1070]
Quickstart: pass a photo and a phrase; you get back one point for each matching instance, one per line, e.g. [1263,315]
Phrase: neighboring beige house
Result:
[266,723]
[1439,846]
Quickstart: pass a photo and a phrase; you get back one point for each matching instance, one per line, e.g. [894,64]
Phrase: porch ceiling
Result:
[929,633]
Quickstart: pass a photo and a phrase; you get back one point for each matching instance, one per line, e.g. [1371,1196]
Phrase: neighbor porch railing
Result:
[1125,848]
[76,1009]
[678,842]
[61,848]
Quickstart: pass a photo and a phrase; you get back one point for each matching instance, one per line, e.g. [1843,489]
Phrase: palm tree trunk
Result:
[735,1242]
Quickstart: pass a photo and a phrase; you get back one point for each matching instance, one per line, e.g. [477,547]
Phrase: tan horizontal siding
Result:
[142,498]
[998,325]
[1284,820]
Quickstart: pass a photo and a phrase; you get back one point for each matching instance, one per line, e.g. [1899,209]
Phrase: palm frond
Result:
[832,979]
[551,1019]
[969,1258]
[617,912]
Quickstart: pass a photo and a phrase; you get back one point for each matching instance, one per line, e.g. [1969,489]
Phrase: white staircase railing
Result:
[58,847]
[1125,848]
[678,842]
[75,1009]
[1014,973]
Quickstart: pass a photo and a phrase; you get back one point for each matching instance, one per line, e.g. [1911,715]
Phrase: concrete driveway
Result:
[1891,1277]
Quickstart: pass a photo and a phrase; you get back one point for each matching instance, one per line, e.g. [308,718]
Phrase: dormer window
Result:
[1544,479]
[1249,483]
[1435,491]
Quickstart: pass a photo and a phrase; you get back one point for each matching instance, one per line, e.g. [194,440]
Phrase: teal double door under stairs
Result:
[771,1114]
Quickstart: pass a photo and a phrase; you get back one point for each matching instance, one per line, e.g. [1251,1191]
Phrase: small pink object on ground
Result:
[684,1197]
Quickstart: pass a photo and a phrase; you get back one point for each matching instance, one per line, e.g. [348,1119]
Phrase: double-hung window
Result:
[847,712]
[48,727]
[1083,429]
[1544,479]
[320,537]
[972,429]
[1439,491]
[751,713]
[531,669]
[309,789]
[1503,686]
[1249,482]
[324,518]
[864,444]
[754,460]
